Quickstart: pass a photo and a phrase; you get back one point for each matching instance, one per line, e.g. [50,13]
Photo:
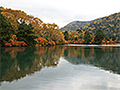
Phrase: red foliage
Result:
[22,43]
[7,44]
[14,42]
[41,42]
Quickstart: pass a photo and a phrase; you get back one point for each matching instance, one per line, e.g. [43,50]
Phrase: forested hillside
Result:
[110,25]
[15,22]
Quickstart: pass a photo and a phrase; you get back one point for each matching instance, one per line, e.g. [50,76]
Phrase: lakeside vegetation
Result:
[21,30]
[85,37]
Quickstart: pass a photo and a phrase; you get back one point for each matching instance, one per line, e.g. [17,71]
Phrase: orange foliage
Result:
[14,42]
[44,42]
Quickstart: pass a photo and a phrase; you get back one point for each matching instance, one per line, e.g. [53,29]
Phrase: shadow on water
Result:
[18,62]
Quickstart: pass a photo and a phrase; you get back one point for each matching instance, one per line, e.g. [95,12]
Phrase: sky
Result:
[63,12]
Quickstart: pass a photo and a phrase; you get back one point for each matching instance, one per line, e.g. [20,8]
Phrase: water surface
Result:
[60,68]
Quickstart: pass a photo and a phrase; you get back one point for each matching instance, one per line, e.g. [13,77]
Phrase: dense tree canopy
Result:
[25,33]
[49,32]
[6,29]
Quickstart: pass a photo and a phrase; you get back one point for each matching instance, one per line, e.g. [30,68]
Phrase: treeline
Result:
[85,37]
[19,29]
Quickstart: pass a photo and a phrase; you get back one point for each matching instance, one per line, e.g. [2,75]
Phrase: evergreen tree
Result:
[99,36]
[87,37]
[6,29]
[66,35]
[25,33]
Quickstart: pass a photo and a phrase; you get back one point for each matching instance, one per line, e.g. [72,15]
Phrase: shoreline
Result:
[89,45]
[115,45]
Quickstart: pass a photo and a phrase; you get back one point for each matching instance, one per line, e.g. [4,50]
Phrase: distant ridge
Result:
[76,25]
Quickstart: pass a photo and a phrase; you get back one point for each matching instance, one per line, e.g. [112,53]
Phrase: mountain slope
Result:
[76,25]
[110,25]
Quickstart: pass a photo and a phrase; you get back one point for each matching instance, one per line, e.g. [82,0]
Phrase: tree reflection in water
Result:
[106,57]
[18,62]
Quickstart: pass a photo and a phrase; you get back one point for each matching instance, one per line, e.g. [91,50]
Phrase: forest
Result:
[21,30]
[85,37]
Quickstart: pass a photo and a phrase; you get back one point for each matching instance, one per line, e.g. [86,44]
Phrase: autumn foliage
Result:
[38,34]
[84,37]
[20,30]
[13,42]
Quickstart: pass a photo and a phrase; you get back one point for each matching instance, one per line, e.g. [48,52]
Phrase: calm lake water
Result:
[71,67]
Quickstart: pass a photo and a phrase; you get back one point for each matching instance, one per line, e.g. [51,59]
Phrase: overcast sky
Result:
[63,12]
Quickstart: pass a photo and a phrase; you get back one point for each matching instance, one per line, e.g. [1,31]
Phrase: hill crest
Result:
[74,25]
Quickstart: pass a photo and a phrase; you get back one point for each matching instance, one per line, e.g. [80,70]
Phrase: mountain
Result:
[76,25]
[110,25]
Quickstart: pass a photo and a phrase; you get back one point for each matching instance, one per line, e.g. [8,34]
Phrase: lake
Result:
[68,67]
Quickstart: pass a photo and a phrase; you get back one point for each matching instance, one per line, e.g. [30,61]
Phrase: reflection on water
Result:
[18,62]
[106,57]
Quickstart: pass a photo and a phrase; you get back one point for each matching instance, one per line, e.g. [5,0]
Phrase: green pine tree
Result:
[25,33]
[87,37]
[99,36]
[66,35]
